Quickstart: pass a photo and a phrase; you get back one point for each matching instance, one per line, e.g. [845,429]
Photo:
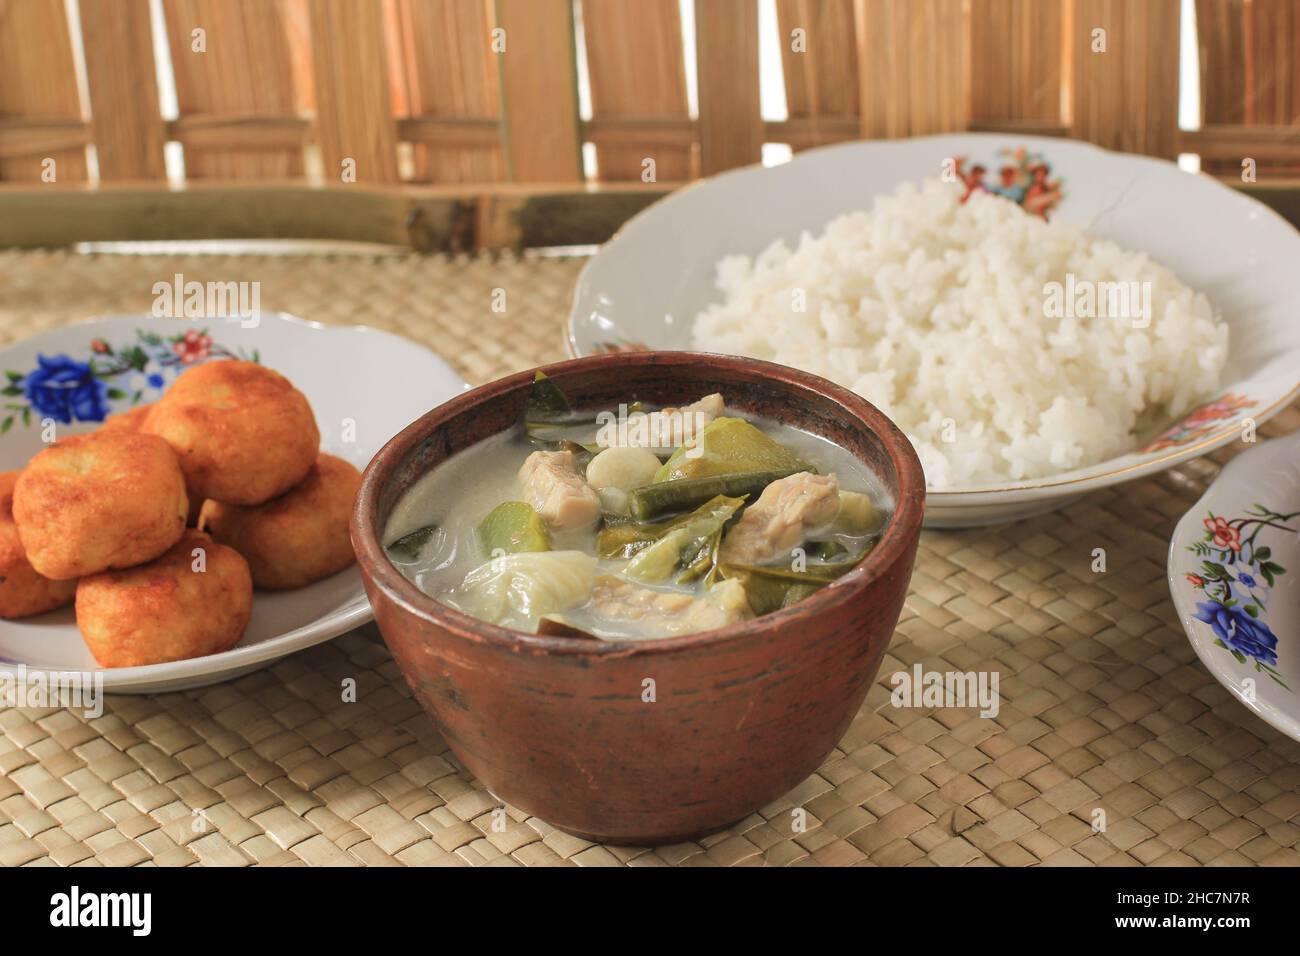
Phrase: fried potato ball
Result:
[23,592]
[244,434]
[132,420]
[297,538]
[192,601]
[109,499]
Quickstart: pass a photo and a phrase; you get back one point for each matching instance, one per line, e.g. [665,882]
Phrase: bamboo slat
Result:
[1229,144]
[256,136]
[912,67]
[27,138]
[493,216]
[124,112]
[731,120]
[638,72]
[354,114]
[297,24]
[1249,81]
[539,87]
[448,75]
[1273,34]
[1126,97]
[1220,35]
[39,103]
[451,133]
[244,74]
[1016,60]
[821,70]
[633,133]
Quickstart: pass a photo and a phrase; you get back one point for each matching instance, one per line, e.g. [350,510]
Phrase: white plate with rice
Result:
[1041,317]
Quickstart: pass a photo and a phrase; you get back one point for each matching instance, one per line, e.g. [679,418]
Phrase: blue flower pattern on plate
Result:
[1237,575]
[1239,631]
[66,390]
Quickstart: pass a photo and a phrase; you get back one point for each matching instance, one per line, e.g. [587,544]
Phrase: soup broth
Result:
[531,529]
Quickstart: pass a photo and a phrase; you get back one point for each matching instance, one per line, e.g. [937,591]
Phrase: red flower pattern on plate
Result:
[1200,422]
[194,346]
[1225,535]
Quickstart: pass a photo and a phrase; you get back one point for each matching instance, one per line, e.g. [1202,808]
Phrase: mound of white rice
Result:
[936,312]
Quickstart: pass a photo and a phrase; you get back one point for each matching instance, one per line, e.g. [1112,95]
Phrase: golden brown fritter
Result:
[109,499]
[23,592]
[244,434]
[179,606]
[297,538]
[132,420]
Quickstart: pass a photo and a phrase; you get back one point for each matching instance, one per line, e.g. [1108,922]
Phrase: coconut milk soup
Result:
[652,524]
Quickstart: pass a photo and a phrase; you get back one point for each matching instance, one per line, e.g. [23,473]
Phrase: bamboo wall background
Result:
[461,118]
[416,91]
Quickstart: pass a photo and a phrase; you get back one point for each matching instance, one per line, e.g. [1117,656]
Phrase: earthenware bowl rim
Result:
[903,529]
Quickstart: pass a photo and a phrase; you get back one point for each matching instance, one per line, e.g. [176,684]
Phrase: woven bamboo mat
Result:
[1104,704]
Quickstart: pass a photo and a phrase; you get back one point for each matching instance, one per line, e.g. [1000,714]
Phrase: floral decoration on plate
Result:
[1200,422]
[66,389]
[1237,576]
[1025,178]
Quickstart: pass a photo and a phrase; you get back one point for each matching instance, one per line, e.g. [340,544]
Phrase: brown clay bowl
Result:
[567,729]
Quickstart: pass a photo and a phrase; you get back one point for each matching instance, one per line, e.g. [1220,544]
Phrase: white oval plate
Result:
[1234,573]
[364,386]
[645,286]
